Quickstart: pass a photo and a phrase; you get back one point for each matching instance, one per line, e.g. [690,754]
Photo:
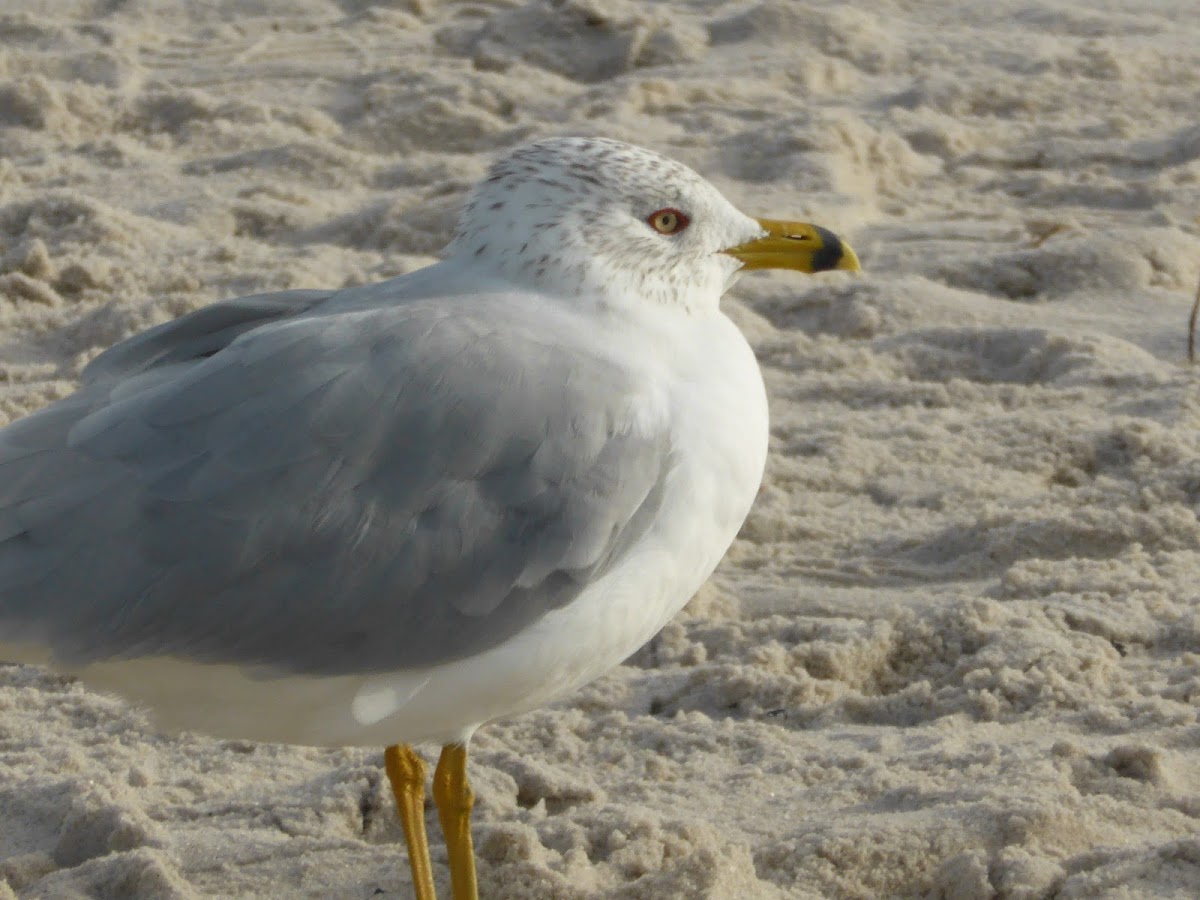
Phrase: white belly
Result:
[721,418]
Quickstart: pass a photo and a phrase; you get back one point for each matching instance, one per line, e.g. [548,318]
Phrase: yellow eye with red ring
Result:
[668,221]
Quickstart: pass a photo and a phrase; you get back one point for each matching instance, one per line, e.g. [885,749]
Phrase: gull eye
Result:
[668,221]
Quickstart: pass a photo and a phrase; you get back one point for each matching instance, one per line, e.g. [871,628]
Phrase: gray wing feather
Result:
[352,492]
[198,334]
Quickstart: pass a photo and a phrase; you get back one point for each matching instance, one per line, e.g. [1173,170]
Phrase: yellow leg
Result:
[406,771]
[454,798]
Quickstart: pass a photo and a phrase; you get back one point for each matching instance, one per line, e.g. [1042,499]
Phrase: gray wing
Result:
[198,334]
[357,492]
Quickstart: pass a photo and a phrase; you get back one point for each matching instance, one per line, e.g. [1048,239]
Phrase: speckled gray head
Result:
[573,215]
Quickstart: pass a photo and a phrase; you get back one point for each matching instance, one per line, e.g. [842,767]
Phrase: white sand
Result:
[956,651]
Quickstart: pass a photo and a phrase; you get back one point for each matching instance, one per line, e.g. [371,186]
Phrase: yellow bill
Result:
[796,245]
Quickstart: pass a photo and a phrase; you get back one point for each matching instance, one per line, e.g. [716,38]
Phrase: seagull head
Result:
[599,220]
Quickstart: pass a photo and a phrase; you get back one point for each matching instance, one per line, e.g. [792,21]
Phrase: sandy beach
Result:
[955,651]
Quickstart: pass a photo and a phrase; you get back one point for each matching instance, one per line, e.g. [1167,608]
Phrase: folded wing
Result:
[323,493]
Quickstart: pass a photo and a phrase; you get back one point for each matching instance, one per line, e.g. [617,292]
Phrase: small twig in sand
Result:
[1192,325]
[1050,232]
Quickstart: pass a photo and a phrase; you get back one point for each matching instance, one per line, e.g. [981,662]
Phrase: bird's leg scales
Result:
[454,798]
[406,771]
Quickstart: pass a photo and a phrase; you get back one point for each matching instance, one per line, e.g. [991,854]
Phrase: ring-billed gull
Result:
[392,513]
